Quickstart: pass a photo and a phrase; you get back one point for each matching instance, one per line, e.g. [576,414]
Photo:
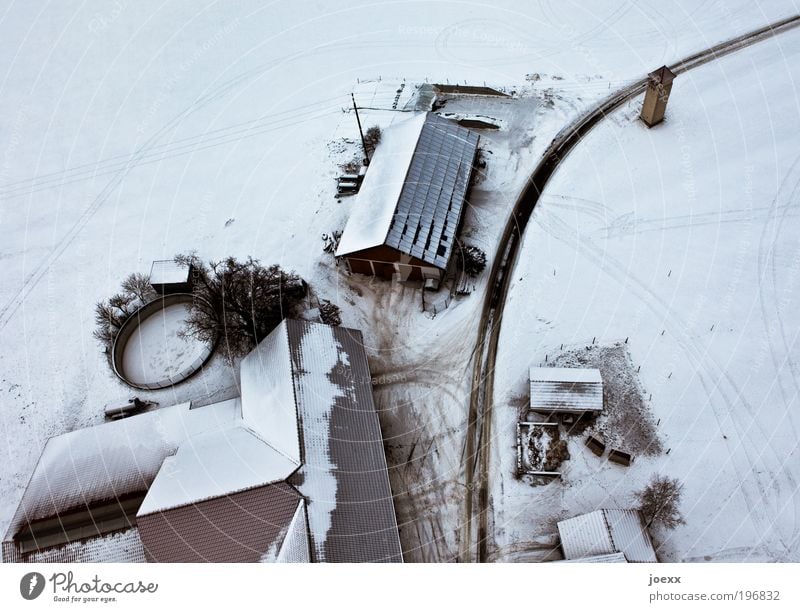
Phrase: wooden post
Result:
[360,131]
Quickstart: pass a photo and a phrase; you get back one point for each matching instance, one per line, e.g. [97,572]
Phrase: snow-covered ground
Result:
[157,350]
[684,239]
[132,132]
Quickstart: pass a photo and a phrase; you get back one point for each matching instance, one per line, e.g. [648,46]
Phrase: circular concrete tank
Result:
[149,351]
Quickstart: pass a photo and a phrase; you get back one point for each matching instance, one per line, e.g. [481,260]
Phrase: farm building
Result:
[168,276]
[292,471]
[566,390]
[607,532]
[409,209]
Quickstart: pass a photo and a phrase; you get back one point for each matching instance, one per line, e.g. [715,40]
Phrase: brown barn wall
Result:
[381,259]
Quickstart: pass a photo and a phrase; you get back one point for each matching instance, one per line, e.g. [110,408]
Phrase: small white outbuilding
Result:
[566,390]
[605,532]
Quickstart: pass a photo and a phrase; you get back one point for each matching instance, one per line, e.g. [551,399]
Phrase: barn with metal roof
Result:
[606,532]
[409,210]
[294,470]
[566,390]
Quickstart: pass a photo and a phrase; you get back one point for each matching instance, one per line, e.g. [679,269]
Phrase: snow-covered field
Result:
[683,238]
[133,132]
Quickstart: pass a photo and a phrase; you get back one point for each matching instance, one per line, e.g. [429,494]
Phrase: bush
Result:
[659,502]
[242,303]
[372,139]
[329,313]
[473,260]
[110,314]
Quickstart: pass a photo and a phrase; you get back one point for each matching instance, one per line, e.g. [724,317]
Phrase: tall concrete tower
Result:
[659,84]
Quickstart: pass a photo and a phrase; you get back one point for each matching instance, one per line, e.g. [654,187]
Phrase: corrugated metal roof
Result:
[432,199]
[215,464]
[316,379]
[604,532]
[425,215]
[88,466]
[566,389]
[118,547]
[237,528]
[630,535]
[167,272]
[344,475]
[294,548]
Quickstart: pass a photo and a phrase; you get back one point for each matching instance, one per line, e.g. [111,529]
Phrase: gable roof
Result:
[607,531]
[566,389]
[344,476]
[216,481]
[238,528]
[414,202]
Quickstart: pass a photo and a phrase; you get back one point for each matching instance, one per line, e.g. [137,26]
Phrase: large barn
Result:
[409,210]
[292,471]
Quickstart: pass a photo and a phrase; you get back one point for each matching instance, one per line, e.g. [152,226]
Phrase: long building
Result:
[408,213]
[292,471]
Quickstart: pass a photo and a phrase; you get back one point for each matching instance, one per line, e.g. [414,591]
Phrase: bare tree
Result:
[372,138]
[242,302]
[660,500]
[110,314]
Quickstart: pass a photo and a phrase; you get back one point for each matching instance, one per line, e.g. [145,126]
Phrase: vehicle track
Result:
[474,533]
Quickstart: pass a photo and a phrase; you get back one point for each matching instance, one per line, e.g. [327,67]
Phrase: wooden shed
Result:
[168,276]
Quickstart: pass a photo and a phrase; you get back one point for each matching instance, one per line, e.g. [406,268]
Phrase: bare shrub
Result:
[659,502]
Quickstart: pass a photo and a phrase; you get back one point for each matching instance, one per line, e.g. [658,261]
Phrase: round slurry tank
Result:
[149,351]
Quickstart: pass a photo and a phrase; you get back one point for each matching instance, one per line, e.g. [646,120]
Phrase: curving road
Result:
[473,536]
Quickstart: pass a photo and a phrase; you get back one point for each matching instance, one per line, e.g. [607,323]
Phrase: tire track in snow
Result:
[709,373]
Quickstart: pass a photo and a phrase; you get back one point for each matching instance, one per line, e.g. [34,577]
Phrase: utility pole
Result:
[360,131]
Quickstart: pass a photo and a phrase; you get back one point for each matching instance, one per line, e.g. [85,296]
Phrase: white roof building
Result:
[294,470]
[607,532]
[574,390]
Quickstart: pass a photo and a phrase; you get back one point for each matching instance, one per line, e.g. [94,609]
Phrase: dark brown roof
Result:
[237,528]
[662,76]
[344,477]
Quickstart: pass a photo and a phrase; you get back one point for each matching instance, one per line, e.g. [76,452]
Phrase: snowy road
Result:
[475,538]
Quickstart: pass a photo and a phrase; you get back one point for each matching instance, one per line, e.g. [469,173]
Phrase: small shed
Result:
[605,532]
[566,390]
[168,276]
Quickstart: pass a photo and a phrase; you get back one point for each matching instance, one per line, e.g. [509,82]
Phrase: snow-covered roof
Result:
[344,477]
[268,402]
[566,389]
[215,464]
[106,462]
[167,272]
[377,199]
[314,381]
[413,194]
[607,531]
